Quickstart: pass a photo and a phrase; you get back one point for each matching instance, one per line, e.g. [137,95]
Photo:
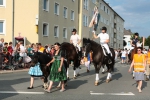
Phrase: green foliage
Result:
[147,41]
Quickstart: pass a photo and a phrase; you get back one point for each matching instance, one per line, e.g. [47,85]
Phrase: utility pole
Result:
[13,13]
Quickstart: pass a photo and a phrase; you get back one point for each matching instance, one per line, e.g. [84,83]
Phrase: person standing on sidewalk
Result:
[10,51]
[139,63]
[148,65]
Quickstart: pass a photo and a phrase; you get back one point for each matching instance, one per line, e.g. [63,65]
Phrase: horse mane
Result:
[87,40]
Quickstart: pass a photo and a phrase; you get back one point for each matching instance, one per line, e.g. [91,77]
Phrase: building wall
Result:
[58,20]
[127,39]
[25,19]
[6,14]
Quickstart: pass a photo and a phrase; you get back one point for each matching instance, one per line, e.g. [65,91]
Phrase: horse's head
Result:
[86,45]
[34,60]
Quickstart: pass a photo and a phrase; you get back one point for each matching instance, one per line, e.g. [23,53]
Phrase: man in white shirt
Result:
[75,39]
[104,40]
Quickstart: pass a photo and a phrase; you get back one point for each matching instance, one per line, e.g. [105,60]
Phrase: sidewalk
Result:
[13,71]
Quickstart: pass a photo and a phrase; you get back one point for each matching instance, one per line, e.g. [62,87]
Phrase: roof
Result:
[127,32]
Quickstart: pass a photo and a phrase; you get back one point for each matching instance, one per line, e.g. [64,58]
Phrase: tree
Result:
[147,41]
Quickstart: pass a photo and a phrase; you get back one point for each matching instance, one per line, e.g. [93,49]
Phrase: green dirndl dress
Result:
[54,74]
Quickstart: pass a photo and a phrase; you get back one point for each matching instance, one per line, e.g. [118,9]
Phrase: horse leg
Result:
[103,70]
[75,74]
[47,72]
[109,76]
[68,73]
[77,70]
[97,74]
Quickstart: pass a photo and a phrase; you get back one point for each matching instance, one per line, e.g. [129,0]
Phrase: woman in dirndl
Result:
[34,72]
[139,64]
[57,72]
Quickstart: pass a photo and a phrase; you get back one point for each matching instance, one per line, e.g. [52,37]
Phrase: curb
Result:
[14,71]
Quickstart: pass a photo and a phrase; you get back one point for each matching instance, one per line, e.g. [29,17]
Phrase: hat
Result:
[104,28]
[137,34]
[74,30]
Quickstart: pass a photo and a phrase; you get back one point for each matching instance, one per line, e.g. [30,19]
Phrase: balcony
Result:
[115,31]
[115,40]
[115,21]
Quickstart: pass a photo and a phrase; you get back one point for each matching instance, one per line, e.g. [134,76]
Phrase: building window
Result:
[46,4]
[2,27]
[45,29]
[85,4]
[107,11]
[65,12]
[104,8]
[2,3]
[56,8]
[56,31]
[85,20]
[72,15]
[64,33]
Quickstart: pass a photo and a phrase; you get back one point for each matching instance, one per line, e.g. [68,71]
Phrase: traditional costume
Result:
[54,74]
[35,71]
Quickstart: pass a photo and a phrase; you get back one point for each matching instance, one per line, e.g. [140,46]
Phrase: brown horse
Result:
[71,54]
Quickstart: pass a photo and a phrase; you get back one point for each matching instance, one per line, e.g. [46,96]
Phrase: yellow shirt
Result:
[139,61]
[41,49]
[148,58]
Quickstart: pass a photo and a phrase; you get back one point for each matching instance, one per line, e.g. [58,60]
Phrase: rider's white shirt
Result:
[75,38]
[103,37]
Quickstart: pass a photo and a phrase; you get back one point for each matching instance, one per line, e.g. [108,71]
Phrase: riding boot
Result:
[109,59]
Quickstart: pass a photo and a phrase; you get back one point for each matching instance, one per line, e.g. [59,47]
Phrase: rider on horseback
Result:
[75,39]
[134,40]
[104,40]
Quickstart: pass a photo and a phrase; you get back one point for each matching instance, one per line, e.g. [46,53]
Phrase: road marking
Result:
[20,92]
[129,93]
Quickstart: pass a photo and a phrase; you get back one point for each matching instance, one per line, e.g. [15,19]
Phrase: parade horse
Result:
[71,54]
[99,58]
[44,59]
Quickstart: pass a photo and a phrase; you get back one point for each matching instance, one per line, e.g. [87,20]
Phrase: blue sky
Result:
[136,14]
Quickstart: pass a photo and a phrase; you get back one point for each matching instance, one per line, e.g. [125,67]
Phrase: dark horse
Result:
[99,58]
[71,54]
[43,59]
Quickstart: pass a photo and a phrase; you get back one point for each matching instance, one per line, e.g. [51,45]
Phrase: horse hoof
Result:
[58,87]
[132,77]
[96,83]
[74,77]
[108,80]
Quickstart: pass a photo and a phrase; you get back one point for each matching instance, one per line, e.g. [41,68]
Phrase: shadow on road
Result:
[6,85]
[75,84]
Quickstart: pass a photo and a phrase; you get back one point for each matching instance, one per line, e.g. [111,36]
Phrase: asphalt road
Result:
[13,86]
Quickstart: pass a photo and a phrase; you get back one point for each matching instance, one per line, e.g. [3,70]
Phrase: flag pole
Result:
[93,19]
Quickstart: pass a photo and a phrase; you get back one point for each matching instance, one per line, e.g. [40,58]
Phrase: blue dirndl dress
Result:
[35,71]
